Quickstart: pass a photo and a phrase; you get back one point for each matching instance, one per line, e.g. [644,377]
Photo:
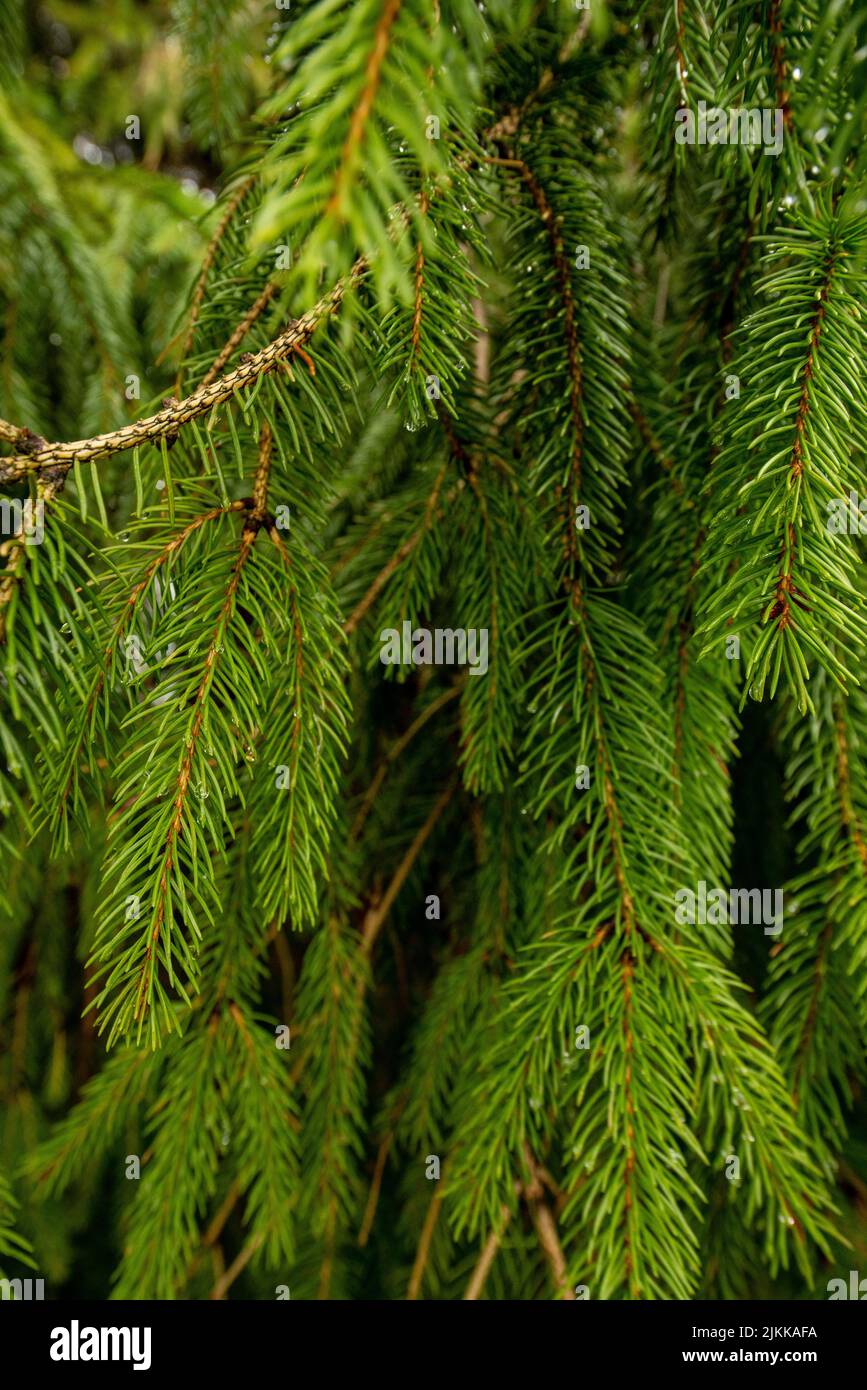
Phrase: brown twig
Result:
[212,1234]
[372,924]
[642,424]
[394,753]
[260,483]
[424,204]
[546,1227]
[225,1282]
[423,1250]
[374,918]
[781,70]
[549,1240]
[396,560]
[486,1259]
[375,1186]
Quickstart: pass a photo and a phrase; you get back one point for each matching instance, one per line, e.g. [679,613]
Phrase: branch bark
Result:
[485,1260]
[166,422]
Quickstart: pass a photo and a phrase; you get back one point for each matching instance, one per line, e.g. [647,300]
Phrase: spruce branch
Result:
[792,584]
[68,770]
[201,285]
[816,973]
[396,561]
[168,421]
[592,399]
[180,814]
[351,153]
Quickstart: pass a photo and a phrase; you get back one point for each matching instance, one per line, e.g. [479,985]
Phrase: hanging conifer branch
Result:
[208,259]
[166,422]
[381,781]
[793,578]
